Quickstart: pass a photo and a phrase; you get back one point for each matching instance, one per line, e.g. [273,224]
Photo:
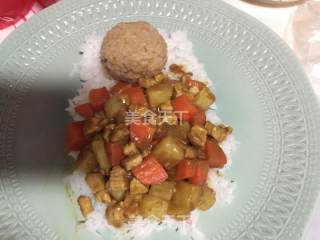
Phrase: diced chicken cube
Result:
[219,132]
[104,122]
[118,180]
[204,99]
[91,126]
[132,161]
[103,197]
[160,77]
[121,116]
[178,89]
[95,181]
[86,161]
[169,118]
[177,70]
[85,205]
[166,107]
[120,133]
[131,205]
[130,149]
[198,136]
[118,196]
[190,152]
[100,153]
[107,131]
[115,215]
[139,111]
[145,153]
[149,82]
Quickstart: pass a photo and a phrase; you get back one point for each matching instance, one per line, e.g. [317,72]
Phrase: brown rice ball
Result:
[133,50]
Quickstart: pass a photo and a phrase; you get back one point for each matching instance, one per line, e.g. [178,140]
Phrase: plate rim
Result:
[310,100]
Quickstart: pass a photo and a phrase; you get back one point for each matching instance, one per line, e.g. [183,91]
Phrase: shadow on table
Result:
[33,128]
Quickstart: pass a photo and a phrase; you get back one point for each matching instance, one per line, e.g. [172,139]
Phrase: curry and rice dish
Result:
[145,145]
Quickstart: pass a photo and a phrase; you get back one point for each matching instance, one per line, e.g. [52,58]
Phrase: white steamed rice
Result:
[91,72]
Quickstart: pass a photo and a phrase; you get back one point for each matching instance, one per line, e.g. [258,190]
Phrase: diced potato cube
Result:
[153,207]
[130,149]
[168,152]
[85,205]
[120,133]
[113,106]
[118,180]
[166,106]
[100,153]
[103,197]
[136,187]
[171,119]
[179,217]
[194,90]
[131,198]
[159,94]
[198,136]
[204,99]
[178,212]
[190,95]
[185,198]
[86,161]
[164,190]
[207,199]
[132,161]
